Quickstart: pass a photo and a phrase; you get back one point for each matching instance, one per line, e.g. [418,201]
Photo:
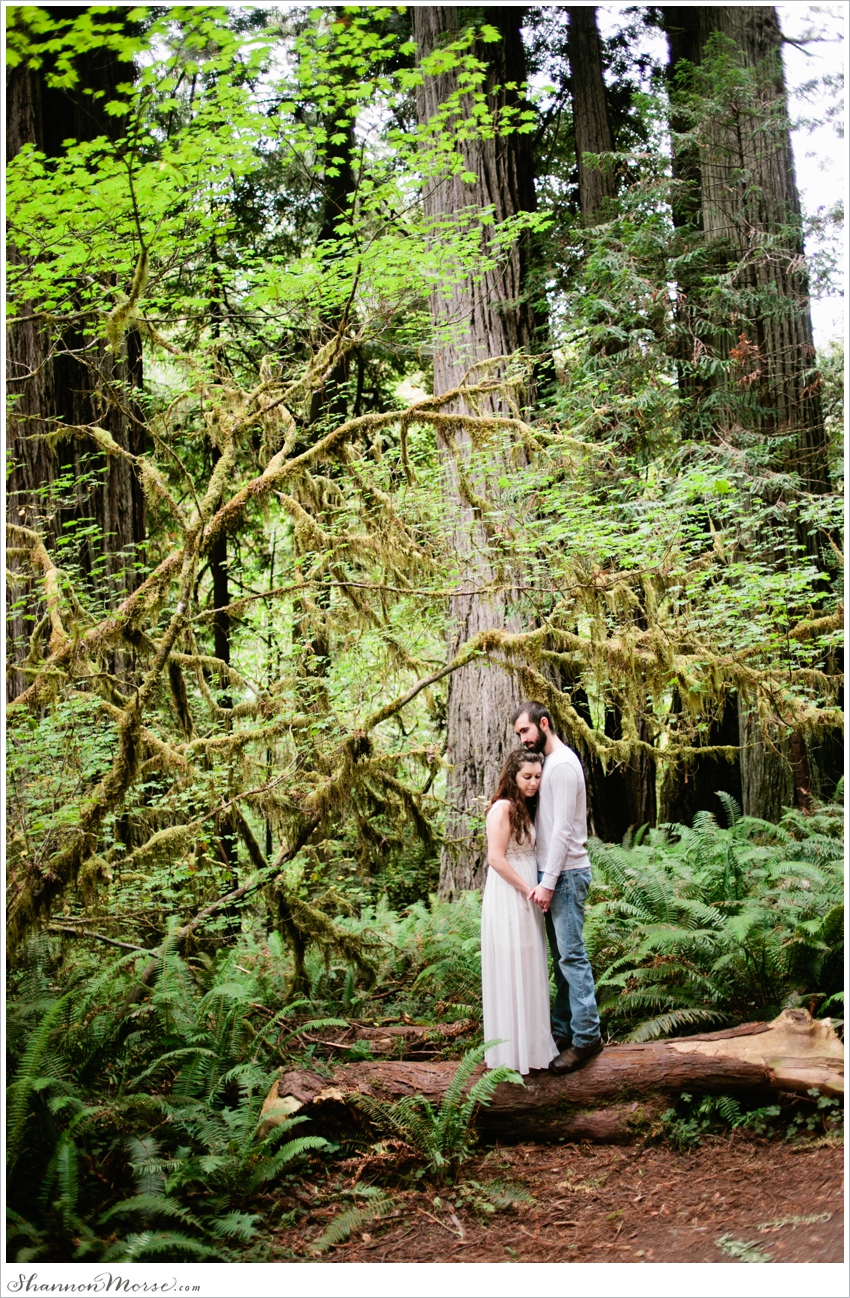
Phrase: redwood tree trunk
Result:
[482,320]
[748,190]
[592,123]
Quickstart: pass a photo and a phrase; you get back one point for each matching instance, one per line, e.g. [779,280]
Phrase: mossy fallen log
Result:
[412,1040]
[614,1098]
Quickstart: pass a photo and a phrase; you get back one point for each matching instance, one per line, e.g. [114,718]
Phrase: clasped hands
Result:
[541,897]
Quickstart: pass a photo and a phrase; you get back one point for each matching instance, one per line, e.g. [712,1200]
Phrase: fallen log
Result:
[413,1040]
[614,1098]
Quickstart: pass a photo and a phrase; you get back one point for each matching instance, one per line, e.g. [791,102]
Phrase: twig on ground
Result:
[439,1223]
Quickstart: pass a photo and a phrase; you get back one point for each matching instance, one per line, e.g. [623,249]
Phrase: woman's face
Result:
[528,778]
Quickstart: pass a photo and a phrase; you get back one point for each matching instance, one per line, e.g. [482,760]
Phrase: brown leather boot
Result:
[574,1057]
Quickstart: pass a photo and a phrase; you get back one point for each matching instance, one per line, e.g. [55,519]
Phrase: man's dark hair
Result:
[535,712]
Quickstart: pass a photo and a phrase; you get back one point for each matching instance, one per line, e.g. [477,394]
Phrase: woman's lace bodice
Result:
[522,853]
[522,856]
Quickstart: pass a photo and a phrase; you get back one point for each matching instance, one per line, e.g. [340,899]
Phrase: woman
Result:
[514,969]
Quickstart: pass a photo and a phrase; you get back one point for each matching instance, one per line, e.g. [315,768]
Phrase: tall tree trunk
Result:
[748,192]
[328,403]
[496,319]
[591,119]
[740,189]
[48,379]
[622,798]
[221,648]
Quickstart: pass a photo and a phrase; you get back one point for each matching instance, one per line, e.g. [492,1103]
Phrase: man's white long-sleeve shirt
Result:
[561,821]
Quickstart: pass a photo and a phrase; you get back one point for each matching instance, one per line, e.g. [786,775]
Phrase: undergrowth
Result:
[140,1107]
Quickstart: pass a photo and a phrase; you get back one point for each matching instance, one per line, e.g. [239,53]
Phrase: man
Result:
[563,878]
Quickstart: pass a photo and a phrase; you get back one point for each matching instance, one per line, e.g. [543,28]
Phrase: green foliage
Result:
[705,925]
[177,1122]
[260,835]
[692,1118]
[441,1136]
[378,1203]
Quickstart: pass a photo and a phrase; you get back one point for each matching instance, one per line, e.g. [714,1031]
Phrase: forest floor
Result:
[738,1199]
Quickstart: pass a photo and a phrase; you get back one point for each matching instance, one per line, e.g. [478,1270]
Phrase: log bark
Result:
[612,1099]
[482,320]
[414,1040]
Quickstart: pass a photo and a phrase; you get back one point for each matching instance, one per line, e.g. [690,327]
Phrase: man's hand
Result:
[541,896]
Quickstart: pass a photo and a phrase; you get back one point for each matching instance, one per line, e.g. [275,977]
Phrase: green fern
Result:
[705,925]
[442,1135]
[379,1205]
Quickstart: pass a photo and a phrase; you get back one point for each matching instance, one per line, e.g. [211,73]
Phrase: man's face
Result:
[530,735]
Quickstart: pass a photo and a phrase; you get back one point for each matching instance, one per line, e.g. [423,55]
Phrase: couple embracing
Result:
[538,877]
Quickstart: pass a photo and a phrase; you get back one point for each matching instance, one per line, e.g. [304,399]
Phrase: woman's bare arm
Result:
[498,837]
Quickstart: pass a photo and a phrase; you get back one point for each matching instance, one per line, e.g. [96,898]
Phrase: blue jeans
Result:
[575,1017]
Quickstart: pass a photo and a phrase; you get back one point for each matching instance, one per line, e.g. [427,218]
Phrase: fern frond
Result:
[380,1205]
[235,1225]
[149,1244]
[664,1024]
[270,1167]
[26,1078]
[732,809]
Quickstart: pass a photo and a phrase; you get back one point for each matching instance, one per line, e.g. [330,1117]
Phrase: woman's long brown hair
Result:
[522,810]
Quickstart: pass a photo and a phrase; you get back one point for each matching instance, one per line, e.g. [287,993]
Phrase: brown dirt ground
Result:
[604,1204]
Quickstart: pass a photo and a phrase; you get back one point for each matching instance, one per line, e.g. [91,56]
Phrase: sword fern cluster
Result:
[706,925]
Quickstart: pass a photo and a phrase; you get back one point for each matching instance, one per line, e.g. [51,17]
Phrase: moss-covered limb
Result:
[175,625]
[41,560]
[213,664]
[173,840]
[119,318]
[42,888]
[809,629]
[472,649]
[107,634]
[401,587]
[74,931]
[304,924]
[279,469]
[152,591]
[33,660]
[230,899]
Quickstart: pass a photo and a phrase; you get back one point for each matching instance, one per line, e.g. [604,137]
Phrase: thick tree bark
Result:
[591,120]
[610,1099]
[481,321]
[47,378]
[747,188]
[739,187]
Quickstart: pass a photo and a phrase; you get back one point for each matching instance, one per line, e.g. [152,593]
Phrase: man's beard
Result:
[536,745]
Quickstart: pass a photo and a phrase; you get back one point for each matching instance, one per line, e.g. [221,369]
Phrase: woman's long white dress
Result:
[514,967]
